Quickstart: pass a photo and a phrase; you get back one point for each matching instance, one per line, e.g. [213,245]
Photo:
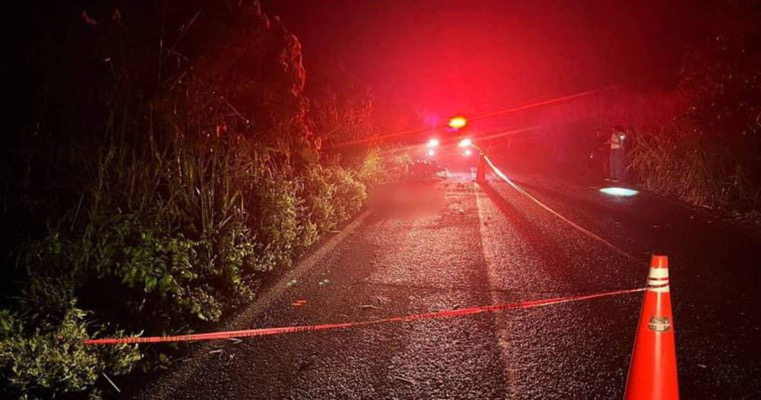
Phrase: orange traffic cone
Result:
[652,372]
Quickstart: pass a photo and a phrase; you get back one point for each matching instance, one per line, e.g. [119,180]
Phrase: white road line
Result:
[502,322]
[578,227]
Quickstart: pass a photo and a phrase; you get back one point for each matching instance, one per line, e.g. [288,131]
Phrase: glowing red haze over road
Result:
[447,57]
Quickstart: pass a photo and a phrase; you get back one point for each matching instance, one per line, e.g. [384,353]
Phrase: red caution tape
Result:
[407,318]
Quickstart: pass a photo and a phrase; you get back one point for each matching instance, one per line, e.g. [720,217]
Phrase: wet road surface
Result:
[425,247]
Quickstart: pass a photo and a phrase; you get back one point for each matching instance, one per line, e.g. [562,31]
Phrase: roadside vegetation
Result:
[710,154]
[698,142]
[161,178]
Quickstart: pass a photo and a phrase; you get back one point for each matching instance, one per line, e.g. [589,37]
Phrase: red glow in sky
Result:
[440,57]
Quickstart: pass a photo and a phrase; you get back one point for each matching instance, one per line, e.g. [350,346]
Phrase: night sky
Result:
[442,57]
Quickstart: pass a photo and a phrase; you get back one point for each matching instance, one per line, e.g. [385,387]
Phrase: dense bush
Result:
[349,193]
[678,163]
[52,357]
[331,194]
[317,191]
[158,210]
[180,255]
[711,154]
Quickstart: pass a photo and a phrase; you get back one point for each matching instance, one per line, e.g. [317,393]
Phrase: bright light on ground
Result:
[465,143]
[618,191]
[433,143]
[431,153]
[467,153]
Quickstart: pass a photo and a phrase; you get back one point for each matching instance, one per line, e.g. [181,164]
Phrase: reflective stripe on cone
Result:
[652,372]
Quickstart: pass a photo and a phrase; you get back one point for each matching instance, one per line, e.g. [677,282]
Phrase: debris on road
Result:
[111,382]
[403,379]
[307,362]
[299,303]
[382,299]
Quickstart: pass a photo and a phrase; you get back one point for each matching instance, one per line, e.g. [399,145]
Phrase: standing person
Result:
[617,154]
[596,161]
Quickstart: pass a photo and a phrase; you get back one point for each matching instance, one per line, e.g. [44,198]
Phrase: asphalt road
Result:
[425,247]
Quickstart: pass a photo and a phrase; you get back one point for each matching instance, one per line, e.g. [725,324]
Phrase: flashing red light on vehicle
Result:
[433,143]
[431,152]
[457,122]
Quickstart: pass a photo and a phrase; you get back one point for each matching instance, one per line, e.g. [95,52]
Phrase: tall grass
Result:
[175,207]
[165,237]
[678,162]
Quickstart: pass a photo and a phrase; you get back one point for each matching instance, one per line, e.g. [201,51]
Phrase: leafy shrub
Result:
[677,162]
[53,358]
[331,195]
[175,197]
[711,155]
[51,283]
[318,212]
[276,224]
[349,193]
[171,281]
[372,171]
